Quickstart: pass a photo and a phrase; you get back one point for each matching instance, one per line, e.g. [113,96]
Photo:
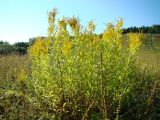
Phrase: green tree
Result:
[21,47]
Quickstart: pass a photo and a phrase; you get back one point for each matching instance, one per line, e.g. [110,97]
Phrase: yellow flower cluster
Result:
[74,24]
[91,26]
[119,23]
[52,15]
[62,25]
[40,47]
[134,42]
[51,21]
[66,46]
[109,33]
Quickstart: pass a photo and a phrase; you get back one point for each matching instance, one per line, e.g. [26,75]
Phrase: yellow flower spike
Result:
[119,23]
[62,25]
[135,42]
[96,41]
[52,15]
[51,21]
[109,33]
[40,47]
[74,24]
[91,26]
[66,46]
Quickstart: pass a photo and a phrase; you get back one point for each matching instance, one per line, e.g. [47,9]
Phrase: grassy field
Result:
[10,67]
[149,53]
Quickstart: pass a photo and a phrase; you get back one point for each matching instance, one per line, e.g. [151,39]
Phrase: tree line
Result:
[19,48]
[154,29]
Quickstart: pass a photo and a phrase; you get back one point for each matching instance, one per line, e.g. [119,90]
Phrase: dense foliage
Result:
[17,48]
[86,72]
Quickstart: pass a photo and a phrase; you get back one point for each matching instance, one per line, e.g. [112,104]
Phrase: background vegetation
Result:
[155,29]
[17,48]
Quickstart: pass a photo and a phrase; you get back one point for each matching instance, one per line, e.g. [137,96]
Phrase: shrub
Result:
[82,76]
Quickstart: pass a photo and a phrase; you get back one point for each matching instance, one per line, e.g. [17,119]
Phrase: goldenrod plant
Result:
[74,71]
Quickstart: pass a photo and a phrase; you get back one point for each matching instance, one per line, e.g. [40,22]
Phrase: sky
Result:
[24,19]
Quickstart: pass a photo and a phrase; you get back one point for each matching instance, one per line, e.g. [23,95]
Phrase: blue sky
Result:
[23,19]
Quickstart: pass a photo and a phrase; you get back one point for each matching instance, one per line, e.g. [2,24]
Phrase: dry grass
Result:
[149,54]
[10,66]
